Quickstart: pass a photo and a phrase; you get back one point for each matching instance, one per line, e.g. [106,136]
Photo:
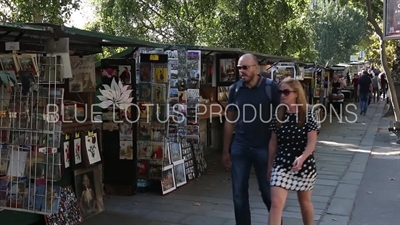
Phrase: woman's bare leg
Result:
[278,200]
[306,206]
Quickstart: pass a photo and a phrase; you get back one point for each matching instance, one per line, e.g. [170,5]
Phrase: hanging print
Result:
[77,149]
[66,151]
[92,148]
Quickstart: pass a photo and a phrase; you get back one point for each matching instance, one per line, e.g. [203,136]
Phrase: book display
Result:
[38,150]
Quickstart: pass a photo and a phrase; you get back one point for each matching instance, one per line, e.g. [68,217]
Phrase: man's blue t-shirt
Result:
[255,111]
[364,83]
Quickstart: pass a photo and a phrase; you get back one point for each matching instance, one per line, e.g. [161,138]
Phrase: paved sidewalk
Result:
[378,198]
[341,154]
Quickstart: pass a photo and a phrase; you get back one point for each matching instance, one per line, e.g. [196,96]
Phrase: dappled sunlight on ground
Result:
[337,144]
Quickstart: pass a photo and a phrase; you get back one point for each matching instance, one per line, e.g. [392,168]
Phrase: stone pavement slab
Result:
[340,161]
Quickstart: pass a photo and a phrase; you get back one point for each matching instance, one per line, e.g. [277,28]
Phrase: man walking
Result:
[364,91]
[375,88]
[249,112]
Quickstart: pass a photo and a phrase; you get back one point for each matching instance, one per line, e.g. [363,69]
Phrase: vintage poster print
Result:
[144,130]
[158,131]
[145,149]
[160,74]
[125,132]
[125,74]
[126,150]
[145,92]
[158,151]
[159,92]
[145,110]
[145,72]
[83,74]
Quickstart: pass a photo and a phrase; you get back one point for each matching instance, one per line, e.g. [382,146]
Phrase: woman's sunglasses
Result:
[285,92]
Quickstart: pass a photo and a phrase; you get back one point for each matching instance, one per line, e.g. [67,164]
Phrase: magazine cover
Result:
[145,72]
[159,92]
[144,92]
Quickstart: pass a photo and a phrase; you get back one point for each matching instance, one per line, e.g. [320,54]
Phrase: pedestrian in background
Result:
[354,82]
[364,91]
[375,88]
[384,85]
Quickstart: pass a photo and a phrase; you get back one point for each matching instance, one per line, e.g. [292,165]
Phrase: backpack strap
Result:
[268,88]
[237,87]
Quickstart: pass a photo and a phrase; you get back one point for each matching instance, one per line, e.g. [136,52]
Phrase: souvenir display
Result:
[68,212]
[37,149]
[152,147]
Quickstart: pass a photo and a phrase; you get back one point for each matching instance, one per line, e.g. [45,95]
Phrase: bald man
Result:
[248,114]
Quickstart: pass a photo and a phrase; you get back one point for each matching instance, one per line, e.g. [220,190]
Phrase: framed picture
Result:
[227,72]
[168,180]
[179,173]
[92,152]
[27,62]
[175,152]
[76,146]
[89,193]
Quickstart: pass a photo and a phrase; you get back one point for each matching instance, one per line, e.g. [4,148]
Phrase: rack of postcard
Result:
[35,152]
[169,146]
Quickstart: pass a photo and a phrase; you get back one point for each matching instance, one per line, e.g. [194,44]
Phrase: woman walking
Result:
[291,160]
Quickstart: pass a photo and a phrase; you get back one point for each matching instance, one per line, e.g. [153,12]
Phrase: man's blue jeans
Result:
[364,98]
[243,158]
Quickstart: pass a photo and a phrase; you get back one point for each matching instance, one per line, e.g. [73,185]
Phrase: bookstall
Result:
[167,152]
[51,157]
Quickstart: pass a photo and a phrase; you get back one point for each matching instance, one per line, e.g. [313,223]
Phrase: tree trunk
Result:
[384,63]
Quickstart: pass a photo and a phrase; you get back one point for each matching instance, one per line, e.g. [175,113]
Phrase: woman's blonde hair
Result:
[301,101]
